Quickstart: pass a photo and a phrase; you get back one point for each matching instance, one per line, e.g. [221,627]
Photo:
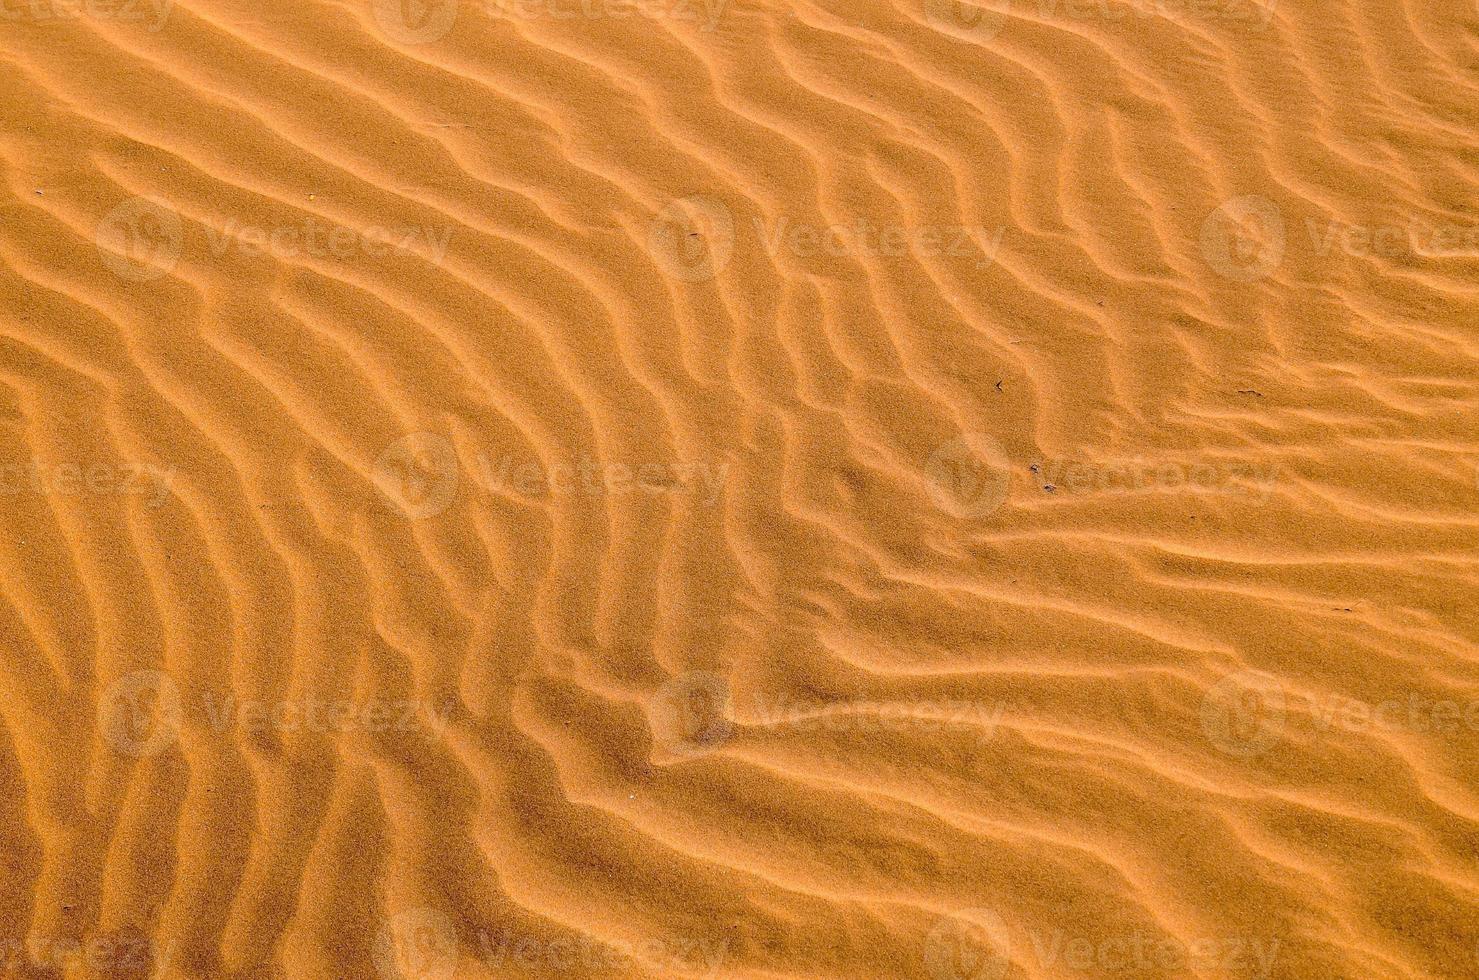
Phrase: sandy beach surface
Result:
[898,489]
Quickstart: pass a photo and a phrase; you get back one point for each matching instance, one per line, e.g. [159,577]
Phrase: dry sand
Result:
[748,489]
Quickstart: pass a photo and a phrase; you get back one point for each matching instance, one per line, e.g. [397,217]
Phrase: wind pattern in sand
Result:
[739,489]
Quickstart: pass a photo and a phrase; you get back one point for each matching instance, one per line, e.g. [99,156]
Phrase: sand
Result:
[749,489]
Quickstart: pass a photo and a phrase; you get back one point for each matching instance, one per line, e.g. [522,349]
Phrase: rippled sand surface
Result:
[739,489]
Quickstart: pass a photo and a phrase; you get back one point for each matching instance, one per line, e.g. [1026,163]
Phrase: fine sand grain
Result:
[739,489]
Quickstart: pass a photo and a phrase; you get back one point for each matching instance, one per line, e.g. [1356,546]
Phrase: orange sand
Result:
[748,489]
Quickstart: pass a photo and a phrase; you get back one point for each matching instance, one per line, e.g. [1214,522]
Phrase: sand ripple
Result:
[739,488]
